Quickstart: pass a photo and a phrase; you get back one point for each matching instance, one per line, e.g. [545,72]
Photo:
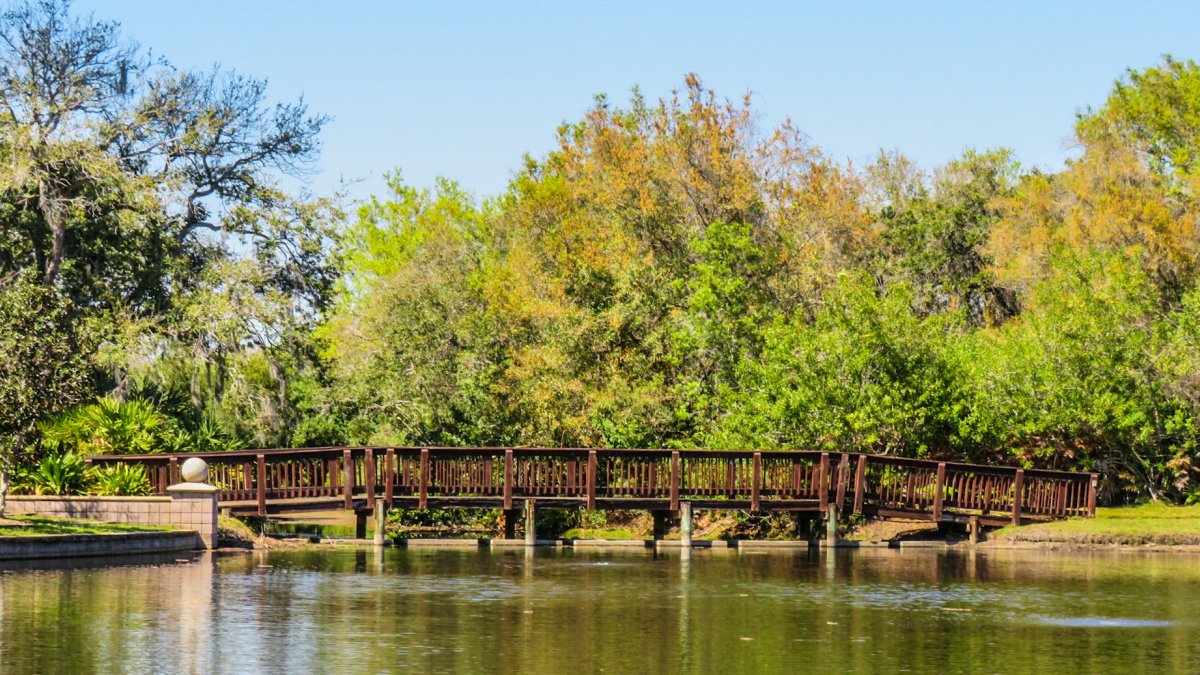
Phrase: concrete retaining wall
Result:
[76,545]
[186,510]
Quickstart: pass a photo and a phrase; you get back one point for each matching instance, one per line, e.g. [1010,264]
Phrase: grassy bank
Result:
[27,526]
[1149,524]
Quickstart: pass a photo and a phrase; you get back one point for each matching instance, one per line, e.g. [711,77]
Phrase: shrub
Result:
[122,480]
[64,474]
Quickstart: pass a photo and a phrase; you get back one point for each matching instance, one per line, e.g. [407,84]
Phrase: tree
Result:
[42,365]
[1156,113]
[937,230]
[151,197]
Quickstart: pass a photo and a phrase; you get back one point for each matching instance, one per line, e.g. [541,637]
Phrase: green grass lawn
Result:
[38,525]
[1159,524]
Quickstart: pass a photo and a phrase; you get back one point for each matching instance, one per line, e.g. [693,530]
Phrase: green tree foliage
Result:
[866,374]
[936,233]
[1155,113]
[42,368]
[153,199]
[672,275]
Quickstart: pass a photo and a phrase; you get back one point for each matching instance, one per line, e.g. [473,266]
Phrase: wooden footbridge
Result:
[261,482]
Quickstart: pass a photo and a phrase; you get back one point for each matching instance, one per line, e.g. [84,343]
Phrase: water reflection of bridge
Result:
[261,482]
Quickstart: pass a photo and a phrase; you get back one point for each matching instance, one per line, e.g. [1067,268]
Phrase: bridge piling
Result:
[510,523]
[360,524]
[685,524]
[380,522]
[831,525]
[530,522]
[660,524]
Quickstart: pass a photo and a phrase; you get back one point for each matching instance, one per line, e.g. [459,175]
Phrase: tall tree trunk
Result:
[4,485]
[49,203]
[199,356]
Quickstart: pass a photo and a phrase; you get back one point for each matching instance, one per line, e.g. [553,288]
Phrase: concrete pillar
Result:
[194,502]
[685,524]
[380,522]
[510,523]
[530,523]
[831,525]
[360,524]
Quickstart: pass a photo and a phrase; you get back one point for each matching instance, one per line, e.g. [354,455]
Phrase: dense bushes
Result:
[68,474]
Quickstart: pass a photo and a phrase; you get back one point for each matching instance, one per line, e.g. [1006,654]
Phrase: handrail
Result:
[606,477]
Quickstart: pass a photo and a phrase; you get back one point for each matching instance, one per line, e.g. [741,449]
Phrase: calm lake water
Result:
[616,611]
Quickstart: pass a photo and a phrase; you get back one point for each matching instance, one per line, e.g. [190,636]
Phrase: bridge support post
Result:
[973,529]
[530,522]
[685,524]
[380,521]
[510,517]
[660,524]
[831,525]
[360,524]
[804,524]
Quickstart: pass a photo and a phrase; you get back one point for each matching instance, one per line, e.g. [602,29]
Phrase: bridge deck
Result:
[290,479]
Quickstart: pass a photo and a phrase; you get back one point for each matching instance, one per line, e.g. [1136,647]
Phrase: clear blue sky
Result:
[463,89]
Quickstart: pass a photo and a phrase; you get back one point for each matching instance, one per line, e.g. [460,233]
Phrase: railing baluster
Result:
[369,476]
[261,487]
[1018,496]
[591,480]
[755,477]
[423,494]
[822,490]
[860,483]
[348,478]
[937,491]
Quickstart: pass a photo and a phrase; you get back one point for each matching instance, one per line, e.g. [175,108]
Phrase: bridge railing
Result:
[744,479]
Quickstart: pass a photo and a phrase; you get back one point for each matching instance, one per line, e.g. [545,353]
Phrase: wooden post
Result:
[348,478]
[510,523]
[757,478]
[843,479]
[173,475]
[381,523]
[973,529]
[423,493]
[803,523]
[937,492]
[530,522]
[360,524]
[389,476]
[860,486]
[1093,483]
[831,525]
[591,480]
[369,475]
[660,524]
[822,488]
[508,479]
[685,524]
[261,488]
[675,480]
[1018,496]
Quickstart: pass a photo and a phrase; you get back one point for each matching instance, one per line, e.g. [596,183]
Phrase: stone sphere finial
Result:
[194,470]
